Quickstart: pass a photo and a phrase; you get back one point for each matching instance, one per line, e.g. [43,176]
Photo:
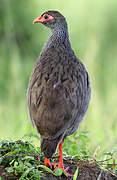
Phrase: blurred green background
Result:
[93,34]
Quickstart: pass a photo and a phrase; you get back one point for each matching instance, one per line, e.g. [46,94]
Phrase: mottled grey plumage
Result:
[59,88]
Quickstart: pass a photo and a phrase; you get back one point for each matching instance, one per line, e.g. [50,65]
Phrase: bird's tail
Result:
[48,146]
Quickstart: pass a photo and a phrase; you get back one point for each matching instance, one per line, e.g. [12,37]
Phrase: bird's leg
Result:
[60,164]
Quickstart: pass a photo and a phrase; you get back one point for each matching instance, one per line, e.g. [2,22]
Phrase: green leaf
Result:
[28,157]
[46,168]
[76,174]
[0,144]
[108,153]
[58,172]
[12,162]
[1,178]
[11,153]
[9,169]
[25,173]
[15,164]
[116,171]
[1,160]
[83,138]
[99,177]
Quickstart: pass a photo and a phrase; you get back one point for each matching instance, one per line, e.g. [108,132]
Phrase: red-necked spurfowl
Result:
[59,88]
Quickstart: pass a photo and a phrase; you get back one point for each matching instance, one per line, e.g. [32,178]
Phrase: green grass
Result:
[20,159]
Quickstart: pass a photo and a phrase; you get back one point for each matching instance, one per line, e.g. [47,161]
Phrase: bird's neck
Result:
[59,37]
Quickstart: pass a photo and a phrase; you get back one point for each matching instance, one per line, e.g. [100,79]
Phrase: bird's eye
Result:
[46,17]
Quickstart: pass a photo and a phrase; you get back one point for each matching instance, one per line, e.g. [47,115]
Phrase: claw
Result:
[47,163]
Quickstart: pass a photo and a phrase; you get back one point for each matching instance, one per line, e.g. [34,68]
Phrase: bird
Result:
[59,89]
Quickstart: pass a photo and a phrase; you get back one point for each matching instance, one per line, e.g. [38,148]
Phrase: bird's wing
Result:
[56,93]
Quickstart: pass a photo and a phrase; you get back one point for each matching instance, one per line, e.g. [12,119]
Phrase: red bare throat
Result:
[41,19]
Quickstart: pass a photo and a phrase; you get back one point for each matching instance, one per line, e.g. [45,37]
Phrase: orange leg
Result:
[60,164]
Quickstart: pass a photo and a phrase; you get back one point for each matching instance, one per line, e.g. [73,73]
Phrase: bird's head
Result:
[51,19]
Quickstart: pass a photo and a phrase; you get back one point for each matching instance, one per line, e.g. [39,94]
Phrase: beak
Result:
[39,19]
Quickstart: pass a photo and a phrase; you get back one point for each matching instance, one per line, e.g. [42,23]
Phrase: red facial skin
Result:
[41,19]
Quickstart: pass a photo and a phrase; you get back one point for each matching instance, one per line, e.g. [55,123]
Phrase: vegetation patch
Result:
[22,160]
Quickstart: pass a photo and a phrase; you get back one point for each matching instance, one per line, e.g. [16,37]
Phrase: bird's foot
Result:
[65,170]
[57,166]
[48,163]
